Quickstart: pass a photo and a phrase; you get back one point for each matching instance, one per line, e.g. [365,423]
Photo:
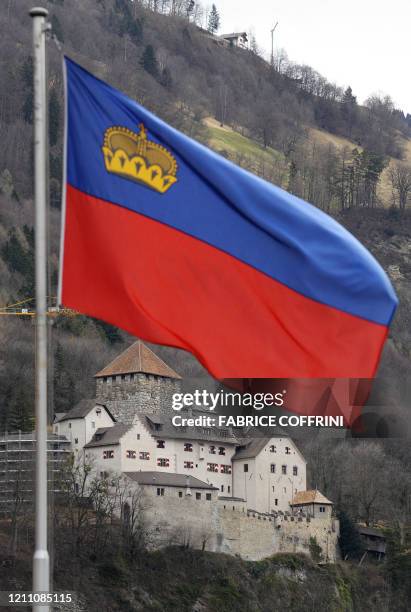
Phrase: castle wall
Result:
[294,535]
[252,538]
[181,521]
[129,394]
[215,526]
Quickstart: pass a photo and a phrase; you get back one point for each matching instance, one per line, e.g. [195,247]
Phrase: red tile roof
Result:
[309,497]
[138,358]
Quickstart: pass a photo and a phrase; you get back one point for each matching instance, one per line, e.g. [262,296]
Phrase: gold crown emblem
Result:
[134,157]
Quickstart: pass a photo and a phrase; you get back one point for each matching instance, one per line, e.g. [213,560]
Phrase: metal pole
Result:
[41,577]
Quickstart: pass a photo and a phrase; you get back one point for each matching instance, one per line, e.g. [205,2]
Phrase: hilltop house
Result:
[236,39]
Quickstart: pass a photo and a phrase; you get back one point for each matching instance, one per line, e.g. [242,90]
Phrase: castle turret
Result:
[135,382]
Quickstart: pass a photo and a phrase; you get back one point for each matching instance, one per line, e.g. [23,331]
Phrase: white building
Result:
[268,472]
[264,472]
[236,39]
[313,503]
[153,443]
[81,423]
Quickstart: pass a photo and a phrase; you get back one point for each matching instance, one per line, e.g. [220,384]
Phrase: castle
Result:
[217,488]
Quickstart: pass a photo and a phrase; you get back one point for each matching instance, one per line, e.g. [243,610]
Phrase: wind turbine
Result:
[272,44]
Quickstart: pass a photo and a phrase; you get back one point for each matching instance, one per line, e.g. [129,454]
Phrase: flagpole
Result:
[41,569]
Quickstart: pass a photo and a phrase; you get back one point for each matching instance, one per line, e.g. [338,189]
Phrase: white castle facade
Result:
[240,495]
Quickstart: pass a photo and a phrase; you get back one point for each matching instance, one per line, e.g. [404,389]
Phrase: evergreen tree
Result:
[111,333]
[54,117]
[6,183]
[166,79]
[350,540]
[64,388]
[27,78]
[122,21]
[349,98]
[213,20]
[17,257]
[149,61]
[190,8]
[56,28]
[21,415]
[349,109]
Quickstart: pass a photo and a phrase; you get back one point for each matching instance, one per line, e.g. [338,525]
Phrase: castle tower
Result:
[135,382]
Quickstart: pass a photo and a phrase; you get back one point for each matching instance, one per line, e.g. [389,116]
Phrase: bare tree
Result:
[133,504]
[366,465]
[400,176]
[397,498]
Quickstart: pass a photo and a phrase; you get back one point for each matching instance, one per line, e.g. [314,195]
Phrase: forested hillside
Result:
[286,123]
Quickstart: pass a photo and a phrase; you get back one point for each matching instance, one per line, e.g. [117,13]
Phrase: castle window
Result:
[295,470]
[221,450]
[273,489]
[198,495]
[75,440]
[224,433]
[284,469]
[103,474]
[93,424]
[272,468]
[212,450]
[225,469]
[285,489]
[273,449]
[163,462]
[180,494]
[160,491]
[108,454]
[138,436]
[276,502]
[212,467]
[131,454]
[144,455]
[188,465]
[161,443]
[245,466]
[228,489]
[123,377]
[69,425]
[222,490]
[322,508]
[208,496]
[105,379]
[287,450]
[188,447]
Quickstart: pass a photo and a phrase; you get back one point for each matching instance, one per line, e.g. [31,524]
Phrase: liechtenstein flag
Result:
[173,243]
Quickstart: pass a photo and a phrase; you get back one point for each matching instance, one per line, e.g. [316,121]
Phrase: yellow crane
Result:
[26,308]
